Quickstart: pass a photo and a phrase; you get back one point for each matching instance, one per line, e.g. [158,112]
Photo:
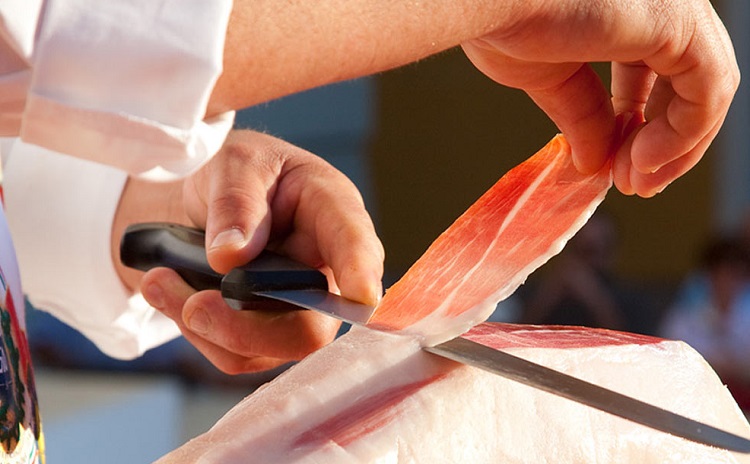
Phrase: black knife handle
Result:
[268,272]
[158,244]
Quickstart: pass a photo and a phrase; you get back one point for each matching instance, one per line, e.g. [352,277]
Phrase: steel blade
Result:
[498,362]
[145,246]
[529,373]
[324,302]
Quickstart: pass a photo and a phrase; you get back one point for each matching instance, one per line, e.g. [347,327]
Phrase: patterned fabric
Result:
[21,440]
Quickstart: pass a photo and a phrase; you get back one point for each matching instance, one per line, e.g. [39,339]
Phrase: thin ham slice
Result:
[490,250]
[377,398]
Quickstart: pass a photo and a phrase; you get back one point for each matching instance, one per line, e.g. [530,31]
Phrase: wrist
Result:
[144,201]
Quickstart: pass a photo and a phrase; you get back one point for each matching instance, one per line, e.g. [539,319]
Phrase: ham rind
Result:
[371,397]
[490,250]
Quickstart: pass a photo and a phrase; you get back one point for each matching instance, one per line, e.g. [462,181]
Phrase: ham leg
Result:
[377,398]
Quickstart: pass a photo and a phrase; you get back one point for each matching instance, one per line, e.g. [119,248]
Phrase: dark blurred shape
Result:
[55,345]
[580,286]
[711,313]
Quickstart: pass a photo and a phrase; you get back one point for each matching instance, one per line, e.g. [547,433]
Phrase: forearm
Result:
[277,48]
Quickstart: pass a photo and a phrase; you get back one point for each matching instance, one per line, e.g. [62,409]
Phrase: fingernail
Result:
[375,294]
[231,237]
[647,170]
[154,294]
[662,188]
[199,322]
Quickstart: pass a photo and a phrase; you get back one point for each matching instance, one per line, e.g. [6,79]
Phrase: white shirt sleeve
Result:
[127,83]
[122,83]
[60,212]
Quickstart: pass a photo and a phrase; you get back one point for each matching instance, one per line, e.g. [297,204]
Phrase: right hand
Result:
[262,192]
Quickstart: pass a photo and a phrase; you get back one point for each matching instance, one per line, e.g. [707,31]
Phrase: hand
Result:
[671,61]
[260,192]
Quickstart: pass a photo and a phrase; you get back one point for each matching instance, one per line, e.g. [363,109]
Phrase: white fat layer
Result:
[469,415]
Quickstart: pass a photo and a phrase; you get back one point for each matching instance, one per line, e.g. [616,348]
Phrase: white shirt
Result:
[124,84]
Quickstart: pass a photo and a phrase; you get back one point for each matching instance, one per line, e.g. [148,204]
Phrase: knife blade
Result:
[272,277]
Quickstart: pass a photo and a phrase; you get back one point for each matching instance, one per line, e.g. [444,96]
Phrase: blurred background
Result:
[422,143]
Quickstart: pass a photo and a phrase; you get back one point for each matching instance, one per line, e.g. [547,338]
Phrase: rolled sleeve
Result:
[60,213]
[123,83]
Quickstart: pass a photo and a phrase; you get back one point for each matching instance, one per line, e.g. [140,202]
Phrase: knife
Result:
[291,285]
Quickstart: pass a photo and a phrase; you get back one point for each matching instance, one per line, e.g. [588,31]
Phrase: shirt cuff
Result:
[60,211]
[128,83]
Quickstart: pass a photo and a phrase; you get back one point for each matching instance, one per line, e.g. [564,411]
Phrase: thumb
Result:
[238,220]
[231,246]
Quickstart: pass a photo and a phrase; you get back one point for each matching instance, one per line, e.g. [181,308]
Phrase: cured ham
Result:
[490,250]
[378,398]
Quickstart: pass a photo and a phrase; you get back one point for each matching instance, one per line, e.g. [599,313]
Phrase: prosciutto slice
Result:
[490,250]
[371,397]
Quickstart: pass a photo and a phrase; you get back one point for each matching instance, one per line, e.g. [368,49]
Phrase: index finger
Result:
[570,93]
[328,227]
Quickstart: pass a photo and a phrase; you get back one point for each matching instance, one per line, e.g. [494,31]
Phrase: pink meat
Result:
[515,227]
[377,398]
